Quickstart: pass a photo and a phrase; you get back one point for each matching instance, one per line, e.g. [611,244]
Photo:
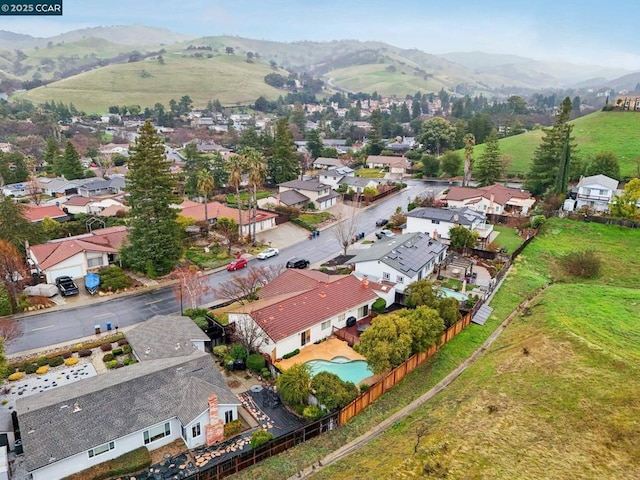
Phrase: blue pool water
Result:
[349,371]
[447,292]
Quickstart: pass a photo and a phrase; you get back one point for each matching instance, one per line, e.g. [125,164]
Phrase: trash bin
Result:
[18,447]
[97,327]
[108,326]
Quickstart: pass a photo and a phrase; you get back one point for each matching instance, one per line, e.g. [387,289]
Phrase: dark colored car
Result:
[298,263]
[67,286]
[381,222]
[236,264]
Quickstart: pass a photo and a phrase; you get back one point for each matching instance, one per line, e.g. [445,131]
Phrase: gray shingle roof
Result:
[312,185]
[357,181]
[332,194]
[117,404]
[407,253]
[607,182]
[461,216]
[292,197]
[159,337]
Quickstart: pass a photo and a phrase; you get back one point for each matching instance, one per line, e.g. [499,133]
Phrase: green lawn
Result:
[315,218]
[370,173]
[216,257]
[244,196]
[507,416]
[508,238]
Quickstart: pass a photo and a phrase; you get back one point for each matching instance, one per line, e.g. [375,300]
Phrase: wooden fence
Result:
[396,375]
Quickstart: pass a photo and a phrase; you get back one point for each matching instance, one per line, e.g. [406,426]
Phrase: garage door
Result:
[73,272]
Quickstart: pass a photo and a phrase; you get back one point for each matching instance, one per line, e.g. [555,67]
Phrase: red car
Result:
[236,264]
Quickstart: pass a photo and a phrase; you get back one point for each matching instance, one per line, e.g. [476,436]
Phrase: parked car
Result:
[298,263]
[384,233]
[236,264]
[267,253]
[381,222]
[67,286]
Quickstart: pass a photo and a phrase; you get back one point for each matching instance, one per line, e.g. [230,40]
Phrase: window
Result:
[195,430]
[156,433]
[101,449]
[326,324]
[228,416]
[400,279]
[341,317]
[386,275]
[363,311]
[94,262]
[435,221]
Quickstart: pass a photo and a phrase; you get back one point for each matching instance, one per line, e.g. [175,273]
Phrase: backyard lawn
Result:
[508,238]
[556,393]
[370,173]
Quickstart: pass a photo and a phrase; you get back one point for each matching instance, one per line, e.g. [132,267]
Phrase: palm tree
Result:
[254,161]
[236,169]
[205,185]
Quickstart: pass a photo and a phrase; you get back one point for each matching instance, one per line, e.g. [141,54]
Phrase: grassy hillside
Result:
[599,131]
[228,78]
[554,397]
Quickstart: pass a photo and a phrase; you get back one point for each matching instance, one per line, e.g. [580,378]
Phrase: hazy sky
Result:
[590,32]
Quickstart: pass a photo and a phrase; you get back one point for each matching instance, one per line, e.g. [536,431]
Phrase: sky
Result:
[587,32]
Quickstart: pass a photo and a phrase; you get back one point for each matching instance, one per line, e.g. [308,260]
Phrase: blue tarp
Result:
[92,282]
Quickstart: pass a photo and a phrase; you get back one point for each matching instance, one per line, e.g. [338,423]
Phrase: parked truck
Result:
[67,286]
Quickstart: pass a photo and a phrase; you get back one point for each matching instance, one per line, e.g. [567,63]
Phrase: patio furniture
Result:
[363,327]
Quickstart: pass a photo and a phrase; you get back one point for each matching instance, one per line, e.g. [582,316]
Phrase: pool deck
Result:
[331,348]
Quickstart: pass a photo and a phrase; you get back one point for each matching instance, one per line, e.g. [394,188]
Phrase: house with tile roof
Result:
[76,256]
[402,259]
[321,195]
[496,199]
[37,213]
[437,222]
[300,307]
[175,393]
[263,219]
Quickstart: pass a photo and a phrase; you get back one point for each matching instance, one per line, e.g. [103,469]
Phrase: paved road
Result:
[68,324]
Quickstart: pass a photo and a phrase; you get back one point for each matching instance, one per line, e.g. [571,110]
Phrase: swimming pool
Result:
[447,292]
[349,371]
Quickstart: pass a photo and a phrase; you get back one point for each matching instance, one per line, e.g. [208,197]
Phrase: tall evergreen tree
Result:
[283,165]
[15,228]
[488,169]
[52,155]
[71,168]
[314,143]
[544,169]
[153,242]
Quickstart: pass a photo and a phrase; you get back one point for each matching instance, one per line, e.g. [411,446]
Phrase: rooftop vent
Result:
[76,408]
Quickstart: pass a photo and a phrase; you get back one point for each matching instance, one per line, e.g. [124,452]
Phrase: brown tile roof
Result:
[38,213]
[104,240]
[79,201]
[218,210]
[501,194]
[283,315]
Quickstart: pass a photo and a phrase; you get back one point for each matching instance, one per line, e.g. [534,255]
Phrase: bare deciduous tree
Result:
[192,285]
[243,288]
[346,228]
[249,333]
[9,329]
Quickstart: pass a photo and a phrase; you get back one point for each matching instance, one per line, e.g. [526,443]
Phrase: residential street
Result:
[67,323]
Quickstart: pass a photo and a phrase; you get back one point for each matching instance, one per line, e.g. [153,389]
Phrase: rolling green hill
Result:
[228,78]
[615,132]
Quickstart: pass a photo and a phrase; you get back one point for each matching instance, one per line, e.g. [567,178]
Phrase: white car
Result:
[267,252]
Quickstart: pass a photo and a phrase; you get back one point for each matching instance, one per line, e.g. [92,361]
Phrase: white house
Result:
[321,195]
[596,192]
[76,256]
[402,259]
[17,189]
[300,307]
[358,184]
[495,198]
[333,176]
[178,394]
[437,222]
[327,163]
[397,166]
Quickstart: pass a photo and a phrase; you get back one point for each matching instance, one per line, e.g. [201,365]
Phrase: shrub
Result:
[42,361]
[122,342]
[56,361]
[583,264]
[117,351]
[108,357]
[238,351]
[259,438]
[67,354]
[220,350]
[291,354]
[112,364]
[106,347]
[113,278]
[30,368]
[42,370]
[193,313]
[5,302]
[379,305]
[129,361]
[70,362]
[312,412]
[16,376]
[232,429]
[256,362]
[85,352]
[127,349]
[538,221]
[332,392]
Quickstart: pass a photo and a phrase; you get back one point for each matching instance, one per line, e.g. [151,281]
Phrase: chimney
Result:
[214,430]
[365,282]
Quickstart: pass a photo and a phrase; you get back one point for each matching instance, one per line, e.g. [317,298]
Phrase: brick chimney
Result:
[215,429]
